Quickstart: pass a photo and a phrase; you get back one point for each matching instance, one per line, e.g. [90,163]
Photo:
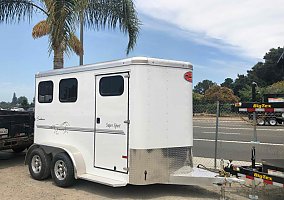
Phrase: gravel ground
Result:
[16,183]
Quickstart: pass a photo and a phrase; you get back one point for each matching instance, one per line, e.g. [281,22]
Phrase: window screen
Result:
[68,89]
[112,86]
[45,92]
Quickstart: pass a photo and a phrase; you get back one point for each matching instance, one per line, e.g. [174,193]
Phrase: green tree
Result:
[263,73]
[63,17]
[228,82]
[5,105]
[14,99]
[270,71]
[23,101]
[240,83]
[245,94]
[32,103]
[197,98]
[276,88]
[222,94]
[201,87]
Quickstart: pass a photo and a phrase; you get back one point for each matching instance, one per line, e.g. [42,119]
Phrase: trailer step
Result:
[103,180]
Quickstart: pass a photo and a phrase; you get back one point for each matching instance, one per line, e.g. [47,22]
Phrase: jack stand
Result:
[253,187]
[253,191]
[223,193]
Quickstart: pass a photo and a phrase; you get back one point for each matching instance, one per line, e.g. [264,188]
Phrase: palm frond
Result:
[64,18]
[109,13]
[41,29]
[17,10]
[129,23]
[75,44]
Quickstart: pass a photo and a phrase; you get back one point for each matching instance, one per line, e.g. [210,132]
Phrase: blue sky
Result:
[220,38]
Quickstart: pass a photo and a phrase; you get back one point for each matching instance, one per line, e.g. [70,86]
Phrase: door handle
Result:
[127,121]
[98,120]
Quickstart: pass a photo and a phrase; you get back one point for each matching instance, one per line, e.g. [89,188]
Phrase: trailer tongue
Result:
[270,172]
[201,177]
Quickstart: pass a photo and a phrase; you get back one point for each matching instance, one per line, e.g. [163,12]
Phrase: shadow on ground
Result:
[9,158]
[146,191]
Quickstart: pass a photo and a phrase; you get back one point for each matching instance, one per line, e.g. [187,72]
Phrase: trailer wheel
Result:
[19,149]
[62,170]
[260,121]
[39,164]
[272,122]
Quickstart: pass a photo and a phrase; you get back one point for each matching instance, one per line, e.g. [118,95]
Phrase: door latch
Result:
[127,121]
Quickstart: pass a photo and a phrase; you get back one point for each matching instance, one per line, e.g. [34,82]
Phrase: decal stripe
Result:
[250,177]
[108,131]
[65,128]
[268,182]
[261,109]
[79,129]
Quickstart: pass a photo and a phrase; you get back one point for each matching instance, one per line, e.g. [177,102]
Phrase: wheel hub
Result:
[60,170]
[36,164]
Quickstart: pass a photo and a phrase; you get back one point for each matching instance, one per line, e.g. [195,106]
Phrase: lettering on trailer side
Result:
[262,176]
[256,105]
[113,125]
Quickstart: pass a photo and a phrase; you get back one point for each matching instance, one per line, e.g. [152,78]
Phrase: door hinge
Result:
[127,121]
[127,76]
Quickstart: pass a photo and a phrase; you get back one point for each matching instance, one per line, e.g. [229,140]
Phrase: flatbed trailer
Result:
[267,113]
[16,130]
[270,172]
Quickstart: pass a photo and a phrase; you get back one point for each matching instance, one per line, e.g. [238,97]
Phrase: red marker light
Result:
[188,76]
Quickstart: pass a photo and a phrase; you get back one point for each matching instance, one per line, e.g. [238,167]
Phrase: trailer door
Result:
[112,121]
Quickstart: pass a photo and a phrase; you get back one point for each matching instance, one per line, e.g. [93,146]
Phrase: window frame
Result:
[68,99]
[111,94]
[38,90]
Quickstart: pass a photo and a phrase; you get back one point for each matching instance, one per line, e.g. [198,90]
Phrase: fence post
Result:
[253,156]
[216,133]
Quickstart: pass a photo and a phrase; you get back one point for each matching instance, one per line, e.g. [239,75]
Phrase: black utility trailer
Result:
[16,130]
[269,111]
[270,172]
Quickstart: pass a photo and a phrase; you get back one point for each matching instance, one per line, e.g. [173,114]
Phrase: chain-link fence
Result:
[232,136]
[210,109]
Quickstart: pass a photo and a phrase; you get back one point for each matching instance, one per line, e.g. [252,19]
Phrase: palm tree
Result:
[64,16]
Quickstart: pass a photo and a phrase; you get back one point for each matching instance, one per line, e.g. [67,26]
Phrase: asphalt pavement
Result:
[235,138]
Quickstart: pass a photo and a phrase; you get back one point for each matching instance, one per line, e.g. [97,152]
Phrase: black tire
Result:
[260,122]
[39,164]
[62,170]
[273,122]
[19,149]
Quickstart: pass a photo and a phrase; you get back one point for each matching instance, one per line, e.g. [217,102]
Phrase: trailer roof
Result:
[117,63]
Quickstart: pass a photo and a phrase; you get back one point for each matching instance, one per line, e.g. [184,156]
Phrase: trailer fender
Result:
[30,149]
[73,153]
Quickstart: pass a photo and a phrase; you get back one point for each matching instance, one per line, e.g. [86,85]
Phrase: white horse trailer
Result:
[116,123]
